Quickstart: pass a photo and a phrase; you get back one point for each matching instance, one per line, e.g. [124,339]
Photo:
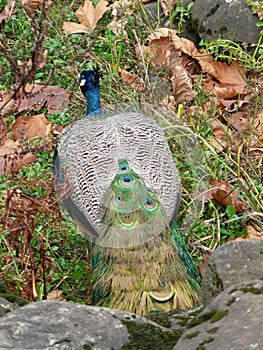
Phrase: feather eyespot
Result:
[126,181]
[124,169]
[150,204]
[117,200]
[127,219]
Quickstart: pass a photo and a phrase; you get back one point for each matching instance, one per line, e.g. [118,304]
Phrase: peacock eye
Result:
[124,169]
[127,219]
[118,198]
[150,204]
[126,181]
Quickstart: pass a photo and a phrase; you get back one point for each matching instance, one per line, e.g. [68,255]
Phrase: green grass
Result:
[36,241]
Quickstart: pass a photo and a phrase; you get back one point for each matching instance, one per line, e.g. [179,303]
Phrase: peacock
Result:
[116,177]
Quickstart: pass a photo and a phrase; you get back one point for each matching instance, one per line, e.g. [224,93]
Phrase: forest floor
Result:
[211,110]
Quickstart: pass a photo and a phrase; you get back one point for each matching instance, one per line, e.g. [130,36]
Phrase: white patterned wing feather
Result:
[89,152]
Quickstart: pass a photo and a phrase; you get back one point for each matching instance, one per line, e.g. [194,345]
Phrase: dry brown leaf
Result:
[3,130]
[226,81]
[221,140]
[240,122]
[35,4]
[130,79]
[223,80]
[258,123]
[88,15]
[182,85]
[119,21]
[167,6]
[225,195]
[252,233]
[160,50]
[13,157]
[7,11]
[32,128]
[57,129]
[56,295]
[203,265]
[56,98]
[233,105]
[118,26]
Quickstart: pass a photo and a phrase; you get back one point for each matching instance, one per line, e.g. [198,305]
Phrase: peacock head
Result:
[89,80]
[89,86]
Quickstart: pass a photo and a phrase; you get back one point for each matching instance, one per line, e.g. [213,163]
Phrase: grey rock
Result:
[228,19]
[230,264]
[6,306]
[232,321]
[57,325]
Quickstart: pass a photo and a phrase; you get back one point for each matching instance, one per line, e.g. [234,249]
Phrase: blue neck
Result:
[93,100]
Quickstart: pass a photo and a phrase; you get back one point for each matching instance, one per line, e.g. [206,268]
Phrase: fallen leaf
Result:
[3,130]
[232,105]
[225,81]
[57,129]
[252,233]
[8,11]
[88,15]
[130,79]
[167,7]
[118,26]
[225,195]
[160,50]
[258,123]
[221,138]
[35,4]
[56,295]
[182,85]
[56,98]
[32,128]
[203,265]
[13,157]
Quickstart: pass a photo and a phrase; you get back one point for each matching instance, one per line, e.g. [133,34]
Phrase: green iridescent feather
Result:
[145,273]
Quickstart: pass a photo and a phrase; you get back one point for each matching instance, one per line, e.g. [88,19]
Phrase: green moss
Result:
[212,330]
[7,294]
[87,347]
[200,347]
[201,318]
[223,29]
[192,335]
[213,10]
[63,341]
[209,340]
[251,289]
[148,336]
[184,322]
[160,318]
[218,315]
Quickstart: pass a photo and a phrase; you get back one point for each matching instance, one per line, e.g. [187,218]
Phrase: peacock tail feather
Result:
[145,277]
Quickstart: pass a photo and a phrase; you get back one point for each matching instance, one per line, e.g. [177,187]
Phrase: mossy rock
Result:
[7,294]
